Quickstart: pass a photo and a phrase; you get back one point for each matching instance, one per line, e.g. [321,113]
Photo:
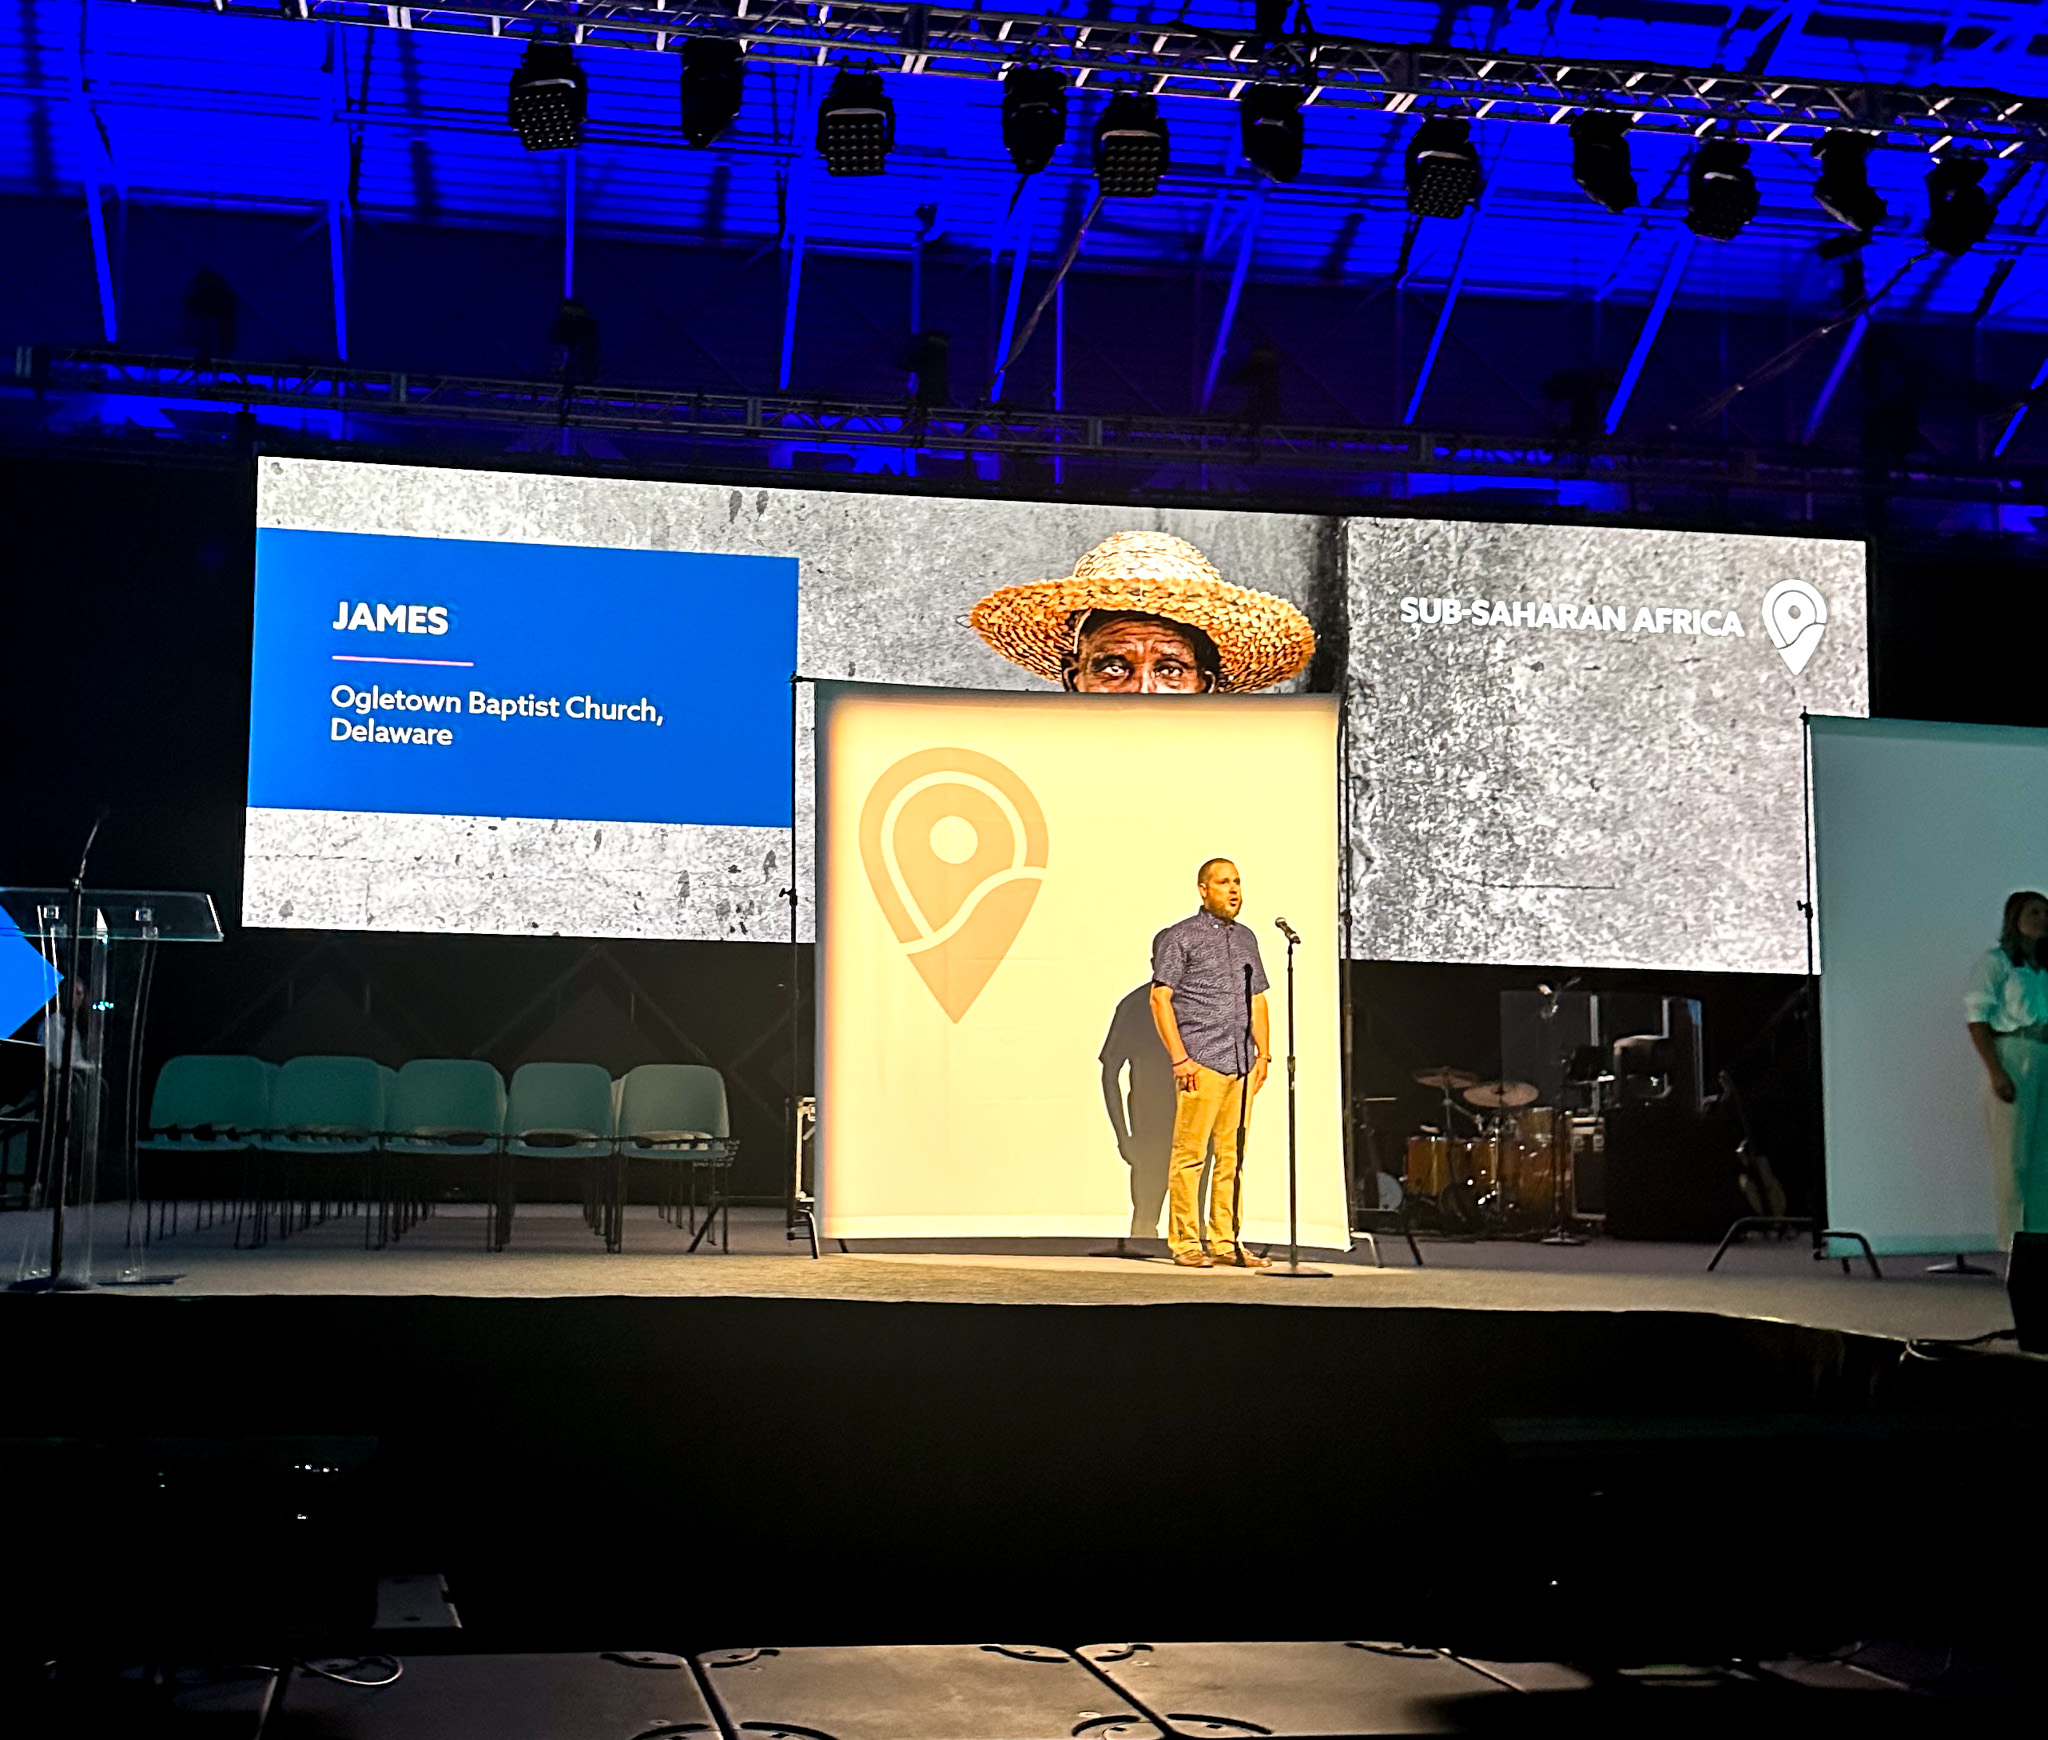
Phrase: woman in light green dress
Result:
[2007,1009]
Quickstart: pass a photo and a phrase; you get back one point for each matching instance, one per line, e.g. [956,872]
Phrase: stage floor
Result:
[553,1256]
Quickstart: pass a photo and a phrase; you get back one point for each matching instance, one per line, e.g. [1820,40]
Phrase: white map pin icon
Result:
[1796,616]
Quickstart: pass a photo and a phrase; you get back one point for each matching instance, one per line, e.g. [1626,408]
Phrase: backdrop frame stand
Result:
[1815,1223]
[800,1211]
[1345,1071]
[1959,1265]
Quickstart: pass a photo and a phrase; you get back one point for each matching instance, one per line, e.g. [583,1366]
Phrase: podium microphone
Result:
[1288,931]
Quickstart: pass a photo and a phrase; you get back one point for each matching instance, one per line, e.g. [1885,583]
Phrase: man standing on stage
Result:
[1204,970]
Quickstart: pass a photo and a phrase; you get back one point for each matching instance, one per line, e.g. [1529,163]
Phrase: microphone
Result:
[99,820]
[1288,931]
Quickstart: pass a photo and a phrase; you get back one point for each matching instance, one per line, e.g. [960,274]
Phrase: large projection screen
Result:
[1920,833]
[988,1064]
[1580,746]
[1554,732]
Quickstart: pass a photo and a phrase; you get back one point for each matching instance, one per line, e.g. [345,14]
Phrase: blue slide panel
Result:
[441,676]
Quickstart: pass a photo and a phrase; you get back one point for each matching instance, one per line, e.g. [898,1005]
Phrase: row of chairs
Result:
[316,1134]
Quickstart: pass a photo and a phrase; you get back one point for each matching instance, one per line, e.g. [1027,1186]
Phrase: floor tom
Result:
[1533,1163]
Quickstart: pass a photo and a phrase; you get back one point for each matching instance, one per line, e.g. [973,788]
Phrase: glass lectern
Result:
[101,942]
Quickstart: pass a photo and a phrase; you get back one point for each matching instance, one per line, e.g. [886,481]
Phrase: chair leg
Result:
[507,1202]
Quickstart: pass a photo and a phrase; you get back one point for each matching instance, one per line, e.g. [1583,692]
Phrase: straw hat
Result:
[1262,640]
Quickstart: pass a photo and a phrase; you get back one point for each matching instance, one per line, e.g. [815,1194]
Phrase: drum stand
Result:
[1560,1164]
[1451,1110]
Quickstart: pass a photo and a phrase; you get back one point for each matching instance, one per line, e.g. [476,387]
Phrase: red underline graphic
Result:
[372,659]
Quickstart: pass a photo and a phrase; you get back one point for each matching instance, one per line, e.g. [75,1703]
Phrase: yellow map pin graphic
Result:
[954,845]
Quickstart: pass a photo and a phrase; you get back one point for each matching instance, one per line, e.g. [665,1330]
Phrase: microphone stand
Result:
[1560,1134]
[56,1281]
[1293,1270]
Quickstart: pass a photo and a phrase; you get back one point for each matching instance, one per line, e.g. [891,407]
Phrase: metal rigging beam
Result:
[2019,415]
[1022,216]
[1452,286]
[796,219]
[1666,289]
[1182,60]
[381,404]
[1254,204]
[1843,358]
[341,189]
[99,170]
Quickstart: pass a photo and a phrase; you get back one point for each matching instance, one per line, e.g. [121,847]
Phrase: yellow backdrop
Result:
[993,870]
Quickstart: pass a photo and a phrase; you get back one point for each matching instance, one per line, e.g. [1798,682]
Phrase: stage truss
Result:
[1186,61]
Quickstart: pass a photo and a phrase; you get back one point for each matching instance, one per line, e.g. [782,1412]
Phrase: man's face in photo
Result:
[1221,890]
[1139,655]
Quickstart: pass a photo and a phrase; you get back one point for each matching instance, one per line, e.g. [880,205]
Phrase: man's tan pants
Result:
[1211,1111]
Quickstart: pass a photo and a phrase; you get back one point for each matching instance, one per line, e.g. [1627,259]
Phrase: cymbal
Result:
[1501,1095]
[1443,1076]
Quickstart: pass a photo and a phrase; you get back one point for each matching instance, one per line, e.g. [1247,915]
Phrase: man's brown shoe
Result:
[1192,1260]
[1238,1257]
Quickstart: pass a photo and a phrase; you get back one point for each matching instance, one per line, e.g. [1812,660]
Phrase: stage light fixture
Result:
[1600,162]
[1130,146]
[1034,116]
[1270,121]
[1959,211]
[713,73]
[1443,168]
[1843,190]
[856,124]
[549,91]
[1720,190]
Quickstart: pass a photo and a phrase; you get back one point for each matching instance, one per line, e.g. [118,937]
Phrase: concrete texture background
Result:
[1565,797]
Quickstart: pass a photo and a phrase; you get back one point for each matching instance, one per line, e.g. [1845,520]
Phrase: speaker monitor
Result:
[1670,1175]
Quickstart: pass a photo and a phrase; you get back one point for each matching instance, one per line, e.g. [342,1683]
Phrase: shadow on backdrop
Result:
[1137,1092]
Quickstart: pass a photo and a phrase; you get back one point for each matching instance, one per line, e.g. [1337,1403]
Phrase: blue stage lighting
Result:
[1843,190]
[1959,211]
[549,92]
[713,74]
[1270,121]
[856,125]
[1130,146]
[1443,168]
[1600,162]
[1720,190]
[1034,116]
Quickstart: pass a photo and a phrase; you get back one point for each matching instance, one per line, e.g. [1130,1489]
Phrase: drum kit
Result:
[1498,1163]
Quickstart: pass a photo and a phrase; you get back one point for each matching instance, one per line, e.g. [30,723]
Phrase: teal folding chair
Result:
[676,1113]
[326,1115]
[205,1116]
[559,1111]
[444,1132]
